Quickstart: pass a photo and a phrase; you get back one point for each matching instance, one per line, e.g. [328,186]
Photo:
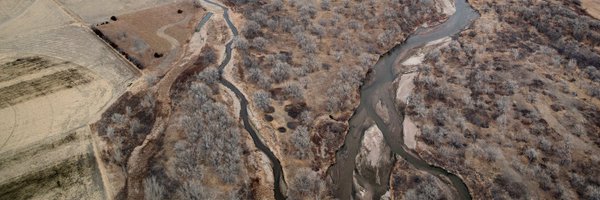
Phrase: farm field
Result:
[51,88]
[94,12]
[31,17]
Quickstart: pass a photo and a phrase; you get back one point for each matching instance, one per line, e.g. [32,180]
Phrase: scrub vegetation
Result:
[303,63]
[512,105]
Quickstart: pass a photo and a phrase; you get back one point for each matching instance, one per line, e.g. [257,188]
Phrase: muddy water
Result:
[378,88]
[275,164]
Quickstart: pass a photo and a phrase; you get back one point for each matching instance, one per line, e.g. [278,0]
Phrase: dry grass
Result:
[137,33]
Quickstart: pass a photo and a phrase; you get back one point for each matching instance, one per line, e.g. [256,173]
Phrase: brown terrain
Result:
[302,72]
[512,105]
[124,99]
[406,182]
[152,37]
[149,138]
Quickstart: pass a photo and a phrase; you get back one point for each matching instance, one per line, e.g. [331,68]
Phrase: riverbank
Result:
[511,115]
[376,92]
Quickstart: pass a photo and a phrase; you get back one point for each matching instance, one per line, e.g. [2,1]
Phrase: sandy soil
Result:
[415,60]
[382,111]
[405,87]
[446,6]
[410,133]
[372,146]
[592,7]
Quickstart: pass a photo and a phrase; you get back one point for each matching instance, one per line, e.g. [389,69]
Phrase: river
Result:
[379,88]
[275,164]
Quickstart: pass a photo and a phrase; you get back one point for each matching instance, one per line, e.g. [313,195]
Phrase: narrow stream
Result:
[275,164]
[379,89]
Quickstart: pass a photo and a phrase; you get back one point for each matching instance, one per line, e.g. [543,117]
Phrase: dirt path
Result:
[138,162]
[175,45]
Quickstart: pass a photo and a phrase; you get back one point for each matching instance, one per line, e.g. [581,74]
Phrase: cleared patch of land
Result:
[141,35]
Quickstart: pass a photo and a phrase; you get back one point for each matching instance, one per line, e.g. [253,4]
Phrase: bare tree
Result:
[153,190]
[252,29]
[259,43]
[306,184]
[301,140]
[293,91]
[531,154]
[195,190]
[241,43]
[210,76]
[262,100]
[281,72]
[325,4]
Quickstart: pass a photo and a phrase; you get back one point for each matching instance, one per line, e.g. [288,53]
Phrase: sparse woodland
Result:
[513,105]
[125,126]
[302,63]
[409,183]
[207,158]
[198,157]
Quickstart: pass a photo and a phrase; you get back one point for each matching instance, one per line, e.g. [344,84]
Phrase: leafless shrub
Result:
[305,184]
[426,189]
[531,154]
[300,139]
[325,4]
[293,91]
[262,100]
[195,190]
[210,76]
[241,43]
[153,190]
[251,29]
[281,72]
[259,43]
